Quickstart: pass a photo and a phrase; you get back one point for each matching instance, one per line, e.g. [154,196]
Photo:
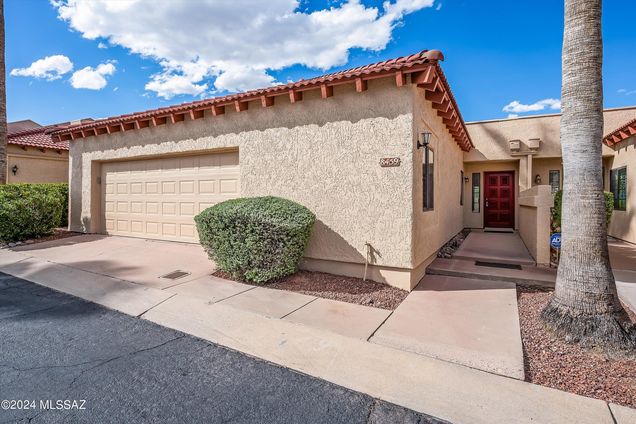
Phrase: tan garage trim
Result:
[159,197]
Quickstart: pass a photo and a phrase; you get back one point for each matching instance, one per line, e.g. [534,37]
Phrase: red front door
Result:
[499,201]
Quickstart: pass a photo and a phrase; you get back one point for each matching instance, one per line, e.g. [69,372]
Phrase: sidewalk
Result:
[439,388]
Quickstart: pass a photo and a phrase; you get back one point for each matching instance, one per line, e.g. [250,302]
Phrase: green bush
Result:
[558,199]
[30,210]
[58,189]
[257,239]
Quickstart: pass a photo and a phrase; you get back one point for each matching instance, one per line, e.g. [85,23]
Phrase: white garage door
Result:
[158,198]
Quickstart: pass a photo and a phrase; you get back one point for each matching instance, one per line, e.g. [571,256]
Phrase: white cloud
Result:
[439,6]
[101,45]
[512,115]
[234,45]
[518,107]
[50,68]
[92,78]
[626,92]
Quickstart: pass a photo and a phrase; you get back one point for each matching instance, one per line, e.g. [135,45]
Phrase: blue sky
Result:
[497,52]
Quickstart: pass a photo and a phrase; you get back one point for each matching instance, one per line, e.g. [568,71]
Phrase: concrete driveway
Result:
[137,260]
[121,369]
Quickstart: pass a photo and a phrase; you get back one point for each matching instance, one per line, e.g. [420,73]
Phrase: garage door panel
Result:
[158,198]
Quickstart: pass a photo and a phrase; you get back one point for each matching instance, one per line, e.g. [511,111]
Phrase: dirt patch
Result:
[337,287]
[553,363]
[58,233]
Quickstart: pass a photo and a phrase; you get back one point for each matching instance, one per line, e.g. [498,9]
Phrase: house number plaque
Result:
[389,162]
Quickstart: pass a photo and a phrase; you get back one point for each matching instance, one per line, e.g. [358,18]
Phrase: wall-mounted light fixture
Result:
[14,169]
[466,179]
[537,179]
[425,139]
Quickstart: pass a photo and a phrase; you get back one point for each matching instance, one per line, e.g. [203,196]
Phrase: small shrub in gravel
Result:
[257,239]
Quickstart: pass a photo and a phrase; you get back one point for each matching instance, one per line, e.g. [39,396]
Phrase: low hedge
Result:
[257,239]
[32,210]
[558,200]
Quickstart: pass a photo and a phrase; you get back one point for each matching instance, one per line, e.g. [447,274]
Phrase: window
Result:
[427,176]
[618,186]
[461,188]
[476,191]
[555,180]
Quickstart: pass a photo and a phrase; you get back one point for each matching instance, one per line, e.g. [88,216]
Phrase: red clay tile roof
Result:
[620,134]
[19,126]
[400,67]
[37,137]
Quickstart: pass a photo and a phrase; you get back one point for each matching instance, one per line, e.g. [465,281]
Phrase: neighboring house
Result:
[622,178]
[33,156]
[349,146]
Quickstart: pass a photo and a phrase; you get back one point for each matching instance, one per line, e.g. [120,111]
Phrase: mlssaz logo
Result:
[66,404]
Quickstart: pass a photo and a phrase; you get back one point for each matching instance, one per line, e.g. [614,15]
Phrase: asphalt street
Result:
[63,359]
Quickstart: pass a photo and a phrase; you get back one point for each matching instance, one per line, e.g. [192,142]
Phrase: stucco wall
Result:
[433,228]
[35,166]
[623,223]
[543,166]
[322,153]
[534,221]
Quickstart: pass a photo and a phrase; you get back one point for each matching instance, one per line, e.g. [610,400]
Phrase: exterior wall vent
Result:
[534,143]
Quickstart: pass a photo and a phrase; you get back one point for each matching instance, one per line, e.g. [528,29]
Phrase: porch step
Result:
[527,275]
[507,248]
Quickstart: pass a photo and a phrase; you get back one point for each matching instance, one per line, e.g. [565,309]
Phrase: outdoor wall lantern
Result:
[426,138]
[14,169]
[537,179]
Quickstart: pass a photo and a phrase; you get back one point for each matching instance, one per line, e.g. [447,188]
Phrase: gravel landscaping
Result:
[553,363]
[337,287]
[453,244]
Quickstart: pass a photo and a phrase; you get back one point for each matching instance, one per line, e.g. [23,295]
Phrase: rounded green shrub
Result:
[26,212]
[256,239]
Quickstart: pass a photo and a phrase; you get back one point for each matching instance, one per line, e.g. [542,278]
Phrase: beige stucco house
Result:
[379,153]
[345,145]
[33,156]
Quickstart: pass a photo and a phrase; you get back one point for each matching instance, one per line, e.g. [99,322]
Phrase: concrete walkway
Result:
[494,247]
[461,320]
[439,388]
[144,262]
[623,260]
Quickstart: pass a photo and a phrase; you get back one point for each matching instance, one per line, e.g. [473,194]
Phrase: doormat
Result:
[498,230]
[498,265]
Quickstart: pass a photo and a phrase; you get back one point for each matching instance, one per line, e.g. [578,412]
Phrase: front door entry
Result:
[499,201]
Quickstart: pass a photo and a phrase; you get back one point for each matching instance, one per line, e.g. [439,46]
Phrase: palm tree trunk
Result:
[585,307]
[3,103]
